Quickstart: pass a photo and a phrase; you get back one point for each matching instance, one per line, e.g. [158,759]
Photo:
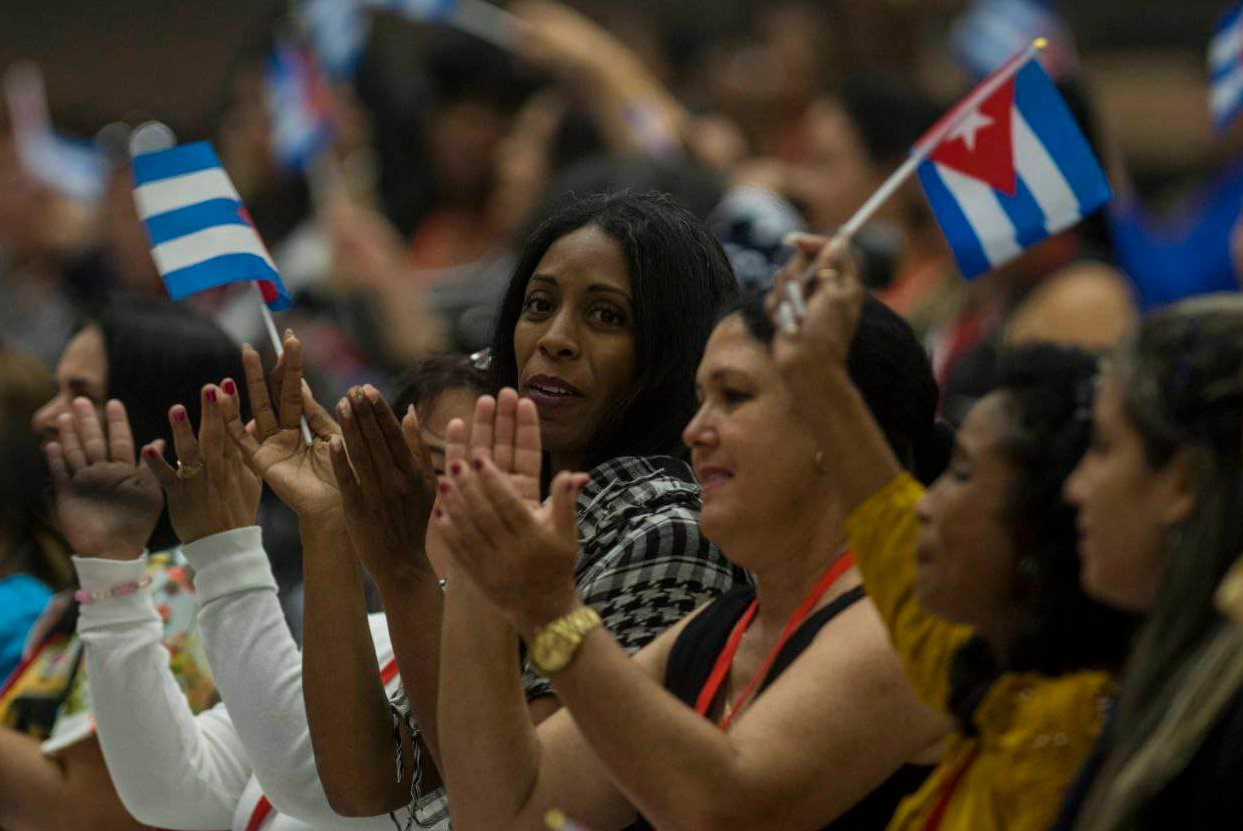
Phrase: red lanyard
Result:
[726,659]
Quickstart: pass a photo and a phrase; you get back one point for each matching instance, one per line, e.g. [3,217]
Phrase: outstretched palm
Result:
[107,505]
[275,448]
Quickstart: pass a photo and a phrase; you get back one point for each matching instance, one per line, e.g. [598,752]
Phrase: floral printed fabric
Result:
[48,696]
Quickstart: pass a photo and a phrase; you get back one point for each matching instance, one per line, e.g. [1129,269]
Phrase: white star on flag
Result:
[966,129]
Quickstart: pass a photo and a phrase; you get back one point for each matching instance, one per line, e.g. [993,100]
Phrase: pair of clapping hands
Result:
[365,469]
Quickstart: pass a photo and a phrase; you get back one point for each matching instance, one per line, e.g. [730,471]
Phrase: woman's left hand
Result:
[211,490]
[519,553]
[107,505]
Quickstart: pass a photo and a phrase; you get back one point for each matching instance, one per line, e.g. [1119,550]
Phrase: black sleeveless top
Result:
[695,652]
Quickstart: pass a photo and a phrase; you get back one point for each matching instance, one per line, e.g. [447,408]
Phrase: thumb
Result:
[564,496]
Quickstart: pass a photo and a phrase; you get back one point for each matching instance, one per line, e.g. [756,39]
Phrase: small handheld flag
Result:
[1225,69]
[299,105]
[1007,169]
[201,235]
[990,31]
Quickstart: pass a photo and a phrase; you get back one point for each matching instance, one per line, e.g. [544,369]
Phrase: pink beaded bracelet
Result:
[121,590]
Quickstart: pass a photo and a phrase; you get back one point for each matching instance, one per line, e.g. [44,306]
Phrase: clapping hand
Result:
[211,490]
[519,553]
[387,485]
[107,505]
[272,445]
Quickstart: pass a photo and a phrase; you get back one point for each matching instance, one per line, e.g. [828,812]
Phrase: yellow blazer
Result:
[1033,731]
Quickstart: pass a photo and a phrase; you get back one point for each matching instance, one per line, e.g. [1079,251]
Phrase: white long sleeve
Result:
[172,769]
[258,670]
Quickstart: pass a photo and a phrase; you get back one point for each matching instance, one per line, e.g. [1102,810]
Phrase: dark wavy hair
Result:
[1047,393]
[434,375]
[160,354]
[679,278]
[890,369]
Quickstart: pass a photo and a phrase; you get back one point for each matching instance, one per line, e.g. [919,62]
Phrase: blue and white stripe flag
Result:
[1013,170]
[1225,69]
[201,235]
[990,31]
[299,104]
[339,28]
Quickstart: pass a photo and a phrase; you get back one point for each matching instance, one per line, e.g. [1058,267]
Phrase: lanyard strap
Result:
[726,659]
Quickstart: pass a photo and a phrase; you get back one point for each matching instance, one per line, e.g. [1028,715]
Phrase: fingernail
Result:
[150,453]
[478,464]
[456,468]
[289,333]
[230,388]
[246,346]
[179,415]
[356,394]
[211,396]
[443,487]
[436,512]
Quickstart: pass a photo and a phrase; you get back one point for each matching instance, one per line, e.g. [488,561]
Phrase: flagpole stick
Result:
[489,23]
[274,336]
[934,137]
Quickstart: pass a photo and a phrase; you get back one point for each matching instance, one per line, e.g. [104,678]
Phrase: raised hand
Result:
[272,445]
[389,488]
[826,275]
[107,505]
[519,553]
[211,490]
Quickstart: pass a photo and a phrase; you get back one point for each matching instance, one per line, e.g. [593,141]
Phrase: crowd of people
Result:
[550,508]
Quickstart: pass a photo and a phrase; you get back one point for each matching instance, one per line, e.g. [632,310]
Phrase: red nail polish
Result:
[443,487]
[150,453]
[179,416]
[455,468]
[436,512]
[478,464]
[230,388]
[211,396]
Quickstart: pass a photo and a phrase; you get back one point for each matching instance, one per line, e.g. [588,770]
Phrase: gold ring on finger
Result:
[185,471]
[828,274]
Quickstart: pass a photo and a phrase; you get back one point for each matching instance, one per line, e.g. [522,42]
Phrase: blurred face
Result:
[754,459]
[82,371]
[966,561]
[463,141]
[575,338]
[1126,507]
[839,176]
[449,405]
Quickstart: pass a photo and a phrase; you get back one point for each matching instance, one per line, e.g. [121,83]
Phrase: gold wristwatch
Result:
[554,645]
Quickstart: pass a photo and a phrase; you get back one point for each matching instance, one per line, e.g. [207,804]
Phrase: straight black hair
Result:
[679,278]
[158,355]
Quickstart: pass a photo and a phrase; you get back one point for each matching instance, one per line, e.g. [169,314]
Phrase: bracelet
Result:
[120,590]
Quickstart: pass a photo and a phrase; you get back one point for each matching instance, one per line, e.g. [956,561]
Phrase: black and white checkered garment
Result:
[643,563]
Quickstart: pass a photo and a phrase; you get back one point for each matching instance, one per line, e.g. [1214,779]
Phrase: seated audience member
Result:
[976,578]
[34,561]
[781,705]
[149,354]
[1158,498]
[247,760]
[603,323]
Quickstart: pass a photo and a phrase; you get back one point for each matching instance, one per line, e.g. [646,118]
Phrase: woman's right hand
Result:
[211,490]
[387,484]
[826,275]
[272,444]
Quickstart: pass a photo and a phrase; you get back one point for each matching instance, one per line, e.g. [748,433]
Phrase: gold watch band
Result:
[554,645]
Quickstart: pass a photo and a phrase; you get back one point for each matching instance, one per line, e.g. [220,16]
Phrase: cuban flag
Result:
[991,31]
[1225,69]
[299,104]
[339,28]
[1011,171]
[201,235]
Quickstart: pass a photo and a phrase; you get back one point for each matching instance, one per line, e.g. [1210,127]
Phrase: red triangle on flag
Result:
[980,145]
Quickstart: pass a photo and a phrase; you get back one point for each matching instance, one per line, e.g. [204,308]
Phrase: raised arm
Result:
[341,684]
[878,497]
[828,731]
